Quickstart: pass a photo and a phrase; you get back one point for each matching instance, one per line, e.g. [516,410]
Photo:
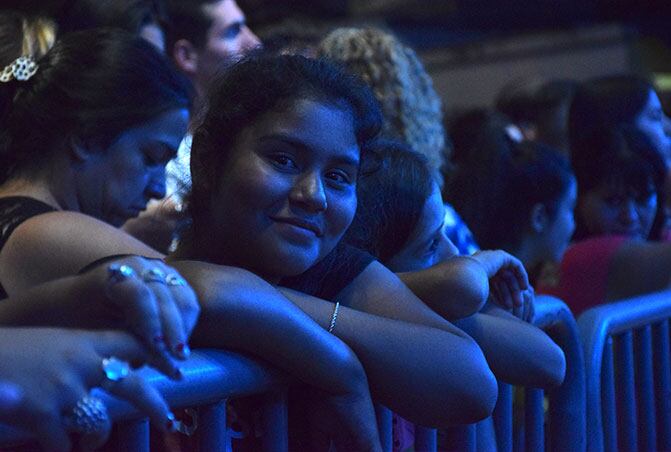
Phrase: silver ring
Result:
[174,279]
[115,370]
[89,416]
[154,275]
[117,273]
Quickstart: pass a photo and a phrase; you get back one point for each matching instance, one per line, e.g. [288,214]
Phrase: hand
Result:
[46,371]
[527,310]
[507,277]
[161,313]
[159,224]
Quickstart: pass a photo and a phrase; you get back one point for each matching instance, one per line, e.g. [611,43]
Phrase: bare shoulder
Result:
[57,244]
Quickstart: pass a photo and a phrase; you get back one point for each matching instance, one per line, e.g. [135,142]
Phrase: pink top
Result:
[583,273]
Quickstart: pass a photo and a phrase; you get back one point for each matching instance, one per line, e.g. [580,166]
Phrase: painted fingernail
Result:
[182,350]
[171,424]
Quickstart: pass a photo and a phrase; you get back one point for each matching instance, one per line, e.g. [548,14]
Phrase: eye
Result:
[232,31]
[339,177]
[151,160]
[283,161]
[433,246]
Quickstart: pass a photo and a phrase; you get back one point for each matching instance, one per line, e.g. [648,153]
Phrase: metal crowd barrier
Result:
[627,360]
[566,415]
[211,377]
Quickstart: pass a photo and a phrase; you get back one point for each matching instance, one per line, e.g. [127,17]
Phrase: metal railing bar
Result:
[426,439]
[662,369]
[645,397]
[624,393]
[211,431]
[534,420]
[503,418]
[383,415]
[607,402]
[275,423]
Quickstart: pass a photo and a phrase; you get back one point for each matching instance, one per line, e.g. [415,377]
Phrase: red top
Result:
[583,273]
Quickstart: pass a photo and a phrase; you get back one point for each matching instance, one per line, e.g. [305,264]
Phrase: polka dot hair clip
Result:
[21,69]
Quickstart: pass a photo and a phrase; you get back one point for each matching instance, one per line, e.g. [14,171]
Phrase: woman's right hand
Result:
[154,302]
[46,371]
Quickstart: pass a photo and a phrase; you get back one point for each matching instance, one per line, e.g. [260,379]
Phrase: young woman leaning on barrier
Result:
[275,163]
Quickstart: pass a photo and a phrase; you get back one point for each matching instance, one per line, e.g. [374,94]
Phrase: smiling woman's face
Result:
[287,192]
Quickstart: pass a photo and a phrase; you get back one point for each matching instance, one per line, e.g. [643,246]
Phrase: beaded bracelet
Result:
[334,317]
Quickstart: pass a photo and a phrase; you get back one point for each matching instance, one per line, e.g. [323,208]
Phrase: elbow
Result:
[474,395]
[555,369]
[471,289]
[479,391]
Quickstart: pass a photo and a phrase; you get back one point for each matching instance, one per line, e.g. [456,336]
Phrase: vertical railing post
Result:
[426,439]
[645,397]
[211,431]
[609,418]
[130,435]
[534,417]
[625,393]
[662,365]
[276,423]
[503,418]
[384,416]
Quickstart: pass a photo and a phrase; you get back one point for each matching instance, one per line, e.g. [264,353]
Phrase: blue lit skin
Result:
[117,183]
[288,191]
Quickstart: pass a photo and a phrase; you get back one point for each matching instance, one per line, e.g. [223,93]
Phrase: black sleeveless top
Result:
[331,275]
[14,210]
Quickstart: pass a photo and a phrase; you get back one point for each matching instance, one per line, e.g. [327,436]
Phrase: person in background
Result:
[620,249]
[398,221]
[539,108]
[412,110]
[205,36]
[499,171]
[142,18]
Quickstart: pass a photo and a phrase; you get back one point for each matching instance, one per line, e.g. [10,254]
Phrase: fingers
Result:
[146,398]
[173,332]
[156,302]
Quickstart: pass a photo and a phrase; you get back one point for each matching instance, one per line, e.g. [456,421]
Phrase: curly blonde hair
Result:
[411,107]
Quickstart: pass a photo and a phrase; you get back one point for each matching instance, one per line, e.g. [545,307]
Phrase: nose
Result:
[628,214]
[250,40]
[447,248]
[308,192]
[156,187]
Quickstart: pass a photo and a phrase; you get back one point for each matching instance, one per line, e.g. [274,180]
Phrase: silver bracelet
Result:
[334,317]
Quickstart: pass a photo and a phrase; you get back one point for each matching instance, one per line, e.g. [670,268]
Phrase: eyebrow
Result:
[288,139]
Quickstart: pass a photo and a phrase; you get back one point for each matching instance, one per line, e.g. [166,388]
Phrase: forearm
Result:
[517,352]
[454,289]
[66,302]
[242,312]
[426,374]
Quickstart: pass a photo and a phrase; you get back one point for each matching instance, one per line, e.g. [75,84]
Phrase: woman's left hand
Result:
[508,279]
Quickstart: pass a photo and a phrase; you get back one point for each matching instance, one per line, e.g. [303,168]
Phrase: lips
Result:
[303,223]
